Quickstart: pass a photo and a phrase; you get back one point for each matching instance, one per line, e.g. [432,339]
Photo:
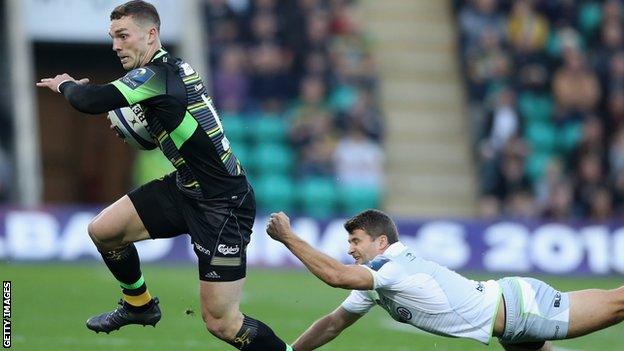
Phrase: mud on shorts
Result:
[220,228]
[534,312]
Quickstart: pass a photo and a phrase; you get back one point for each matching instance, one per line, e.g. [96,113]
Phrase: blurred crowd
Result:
[546,91]
[297,77]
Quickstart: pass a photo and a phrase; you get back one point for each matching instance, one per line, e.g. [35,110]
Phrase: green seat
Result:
[542,136]
[235,127]
[274,193]
[269,128]
[272,158]
[535,107]
[317,197]
[590,16]
[343,97]
[569,136]
[354,199]
[536,164]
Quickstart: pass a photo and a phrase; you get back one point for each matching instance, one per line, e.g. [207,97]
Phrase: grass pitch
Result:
[51,302]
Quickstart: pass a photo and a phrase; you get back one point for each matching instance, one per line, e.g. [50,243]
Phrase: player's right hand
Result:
[54,83]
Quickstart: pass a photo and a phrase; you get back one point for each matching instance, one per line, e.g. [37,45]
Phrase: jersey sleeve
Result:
[386,273]
[142,83]
[358,302]
[93,99]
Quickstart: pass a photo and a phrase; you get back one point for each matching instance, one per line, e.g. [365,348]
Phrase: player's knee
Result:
[94,231]
[223,327]
[100,234]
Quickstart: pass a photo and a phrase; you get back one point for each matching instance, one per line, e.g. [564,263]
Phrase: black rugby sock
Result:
[125,265]
[257,336]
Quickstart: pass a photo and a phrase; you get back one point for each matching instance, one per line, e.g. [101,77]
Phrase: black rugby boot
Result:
[122,315]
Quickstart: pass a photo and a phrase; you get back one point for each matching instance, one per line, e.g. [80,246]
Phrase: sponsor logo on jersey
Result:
[137,77]
[557,300]
[228,250]
[201,249]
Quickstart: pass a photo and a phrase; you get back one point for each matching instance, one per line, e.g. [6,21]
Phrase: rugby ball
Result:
[129,124]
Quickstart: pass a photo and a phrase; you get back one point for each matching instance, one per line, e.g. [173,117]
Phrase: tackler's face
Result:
[362,247]
[130,42]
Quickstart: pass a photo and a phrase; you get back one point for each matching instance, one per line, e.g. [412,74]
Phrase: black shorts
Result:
[220,228]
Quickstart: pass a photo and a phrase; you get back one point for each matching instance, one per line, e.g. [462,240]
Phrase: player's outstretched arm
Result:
[324,267]
[325,329]
[92,99]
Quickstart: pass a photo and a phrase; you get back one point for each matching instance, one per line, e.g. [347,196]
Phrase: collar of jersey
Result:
[395,249]
[160,53]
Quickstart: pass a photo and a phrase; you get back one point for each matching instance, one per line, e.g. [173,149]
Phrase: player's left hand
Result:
[54,83]
[278,226]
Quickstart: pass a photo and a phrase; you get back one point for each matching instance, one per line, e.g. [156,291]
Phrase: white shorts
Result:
[534,311]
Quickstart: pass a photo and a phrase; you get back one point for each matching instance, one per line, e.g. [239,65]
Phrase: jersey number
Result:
[225,143]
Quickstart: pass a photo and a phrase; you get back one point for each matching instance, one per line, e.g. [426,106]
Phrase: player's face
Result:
[362,247]
[130,42]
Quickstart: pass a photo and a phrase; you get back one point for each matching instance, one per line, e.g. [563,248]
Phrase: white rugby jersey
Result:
[428,296]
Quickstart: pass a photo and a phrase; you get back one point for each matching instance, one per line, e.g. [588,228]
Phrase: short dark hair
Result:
[139,10]
[375,223]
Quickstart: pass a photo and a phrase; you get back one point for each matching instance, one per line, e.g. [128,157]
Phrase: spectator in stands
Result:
[521,205]
[615,107]
[592,142]
[488,63]
[365,114]
[264,28]
[512,178]
[612,42]
[612,10]
[501,123]
[271,84]
[316,157]
[311,100]
[317,36]
[559,12]
[358,160]
[575,87]
[589,178]
[478,16]
[601,204]
[615,79]
[559,205]
[616,152]
[545,187]
[528,30]
[230,80]
[501,126]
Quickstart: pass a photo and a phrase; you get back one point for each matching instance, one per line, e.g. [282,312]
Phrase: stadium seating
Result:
[317,196]
[274,192]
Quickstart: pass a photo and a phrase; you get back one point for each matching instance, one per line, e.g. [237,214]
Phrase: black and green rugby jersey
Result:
[183,120]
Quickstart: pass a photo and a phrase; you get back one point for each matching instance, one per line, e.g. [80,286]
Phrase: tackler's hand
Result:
[278,226]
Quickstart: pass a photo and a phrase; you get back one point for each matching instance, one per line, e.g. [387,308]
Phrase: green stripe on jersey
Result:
[184,130]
